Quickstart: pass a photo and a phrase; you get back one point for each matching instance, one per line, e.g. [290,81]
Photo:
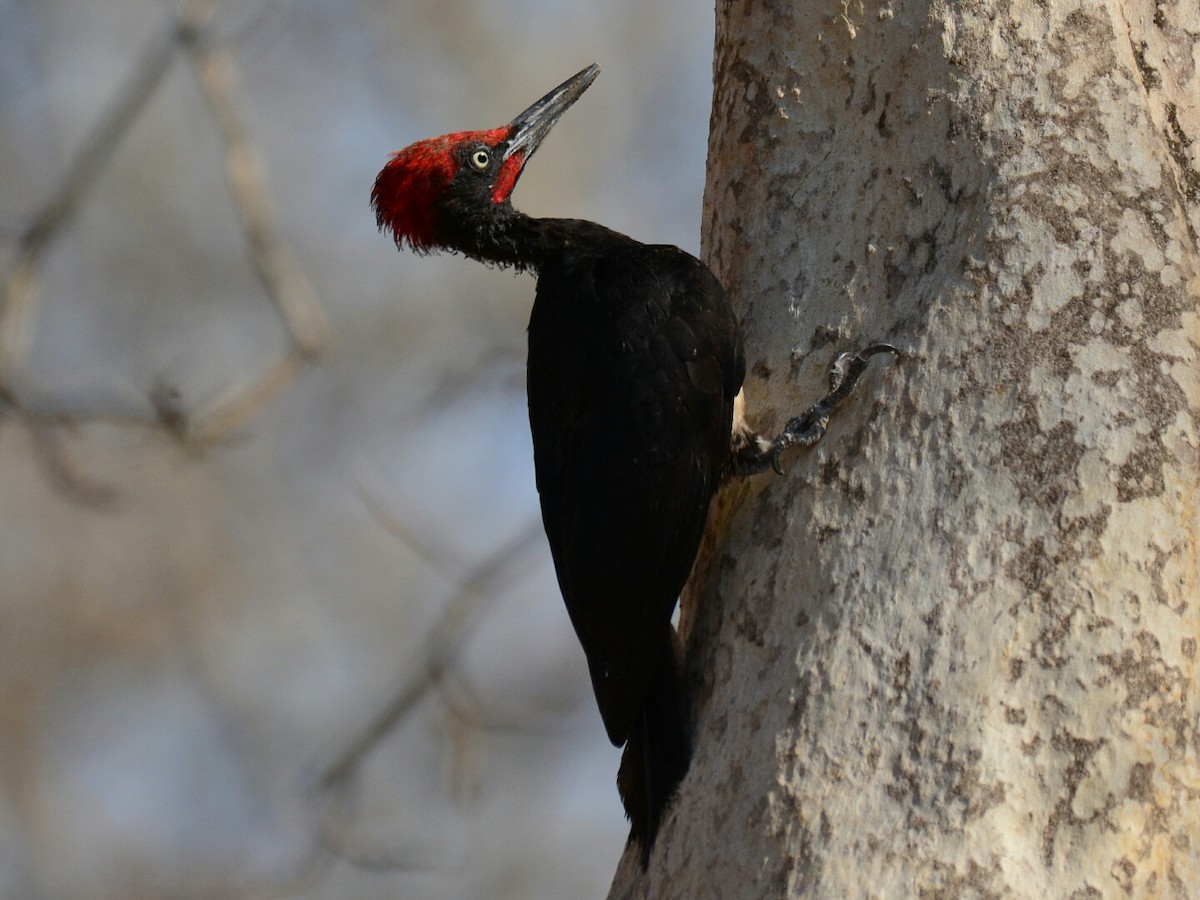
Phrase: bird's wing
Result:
[634,362]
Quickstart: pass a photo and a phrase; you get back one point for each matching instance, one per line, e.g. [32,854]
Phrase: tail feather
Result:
[657,753]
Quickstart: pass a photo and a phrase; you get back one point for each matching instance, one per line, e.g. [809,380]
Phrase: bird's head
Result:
[430,187]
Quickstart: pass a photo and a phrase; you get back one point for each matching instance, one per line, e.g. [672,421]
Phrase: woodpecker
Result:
[634,380]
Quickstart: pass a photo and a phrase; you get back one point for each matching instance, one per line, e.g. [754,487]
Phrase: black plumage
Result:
[635,364]
[634,361]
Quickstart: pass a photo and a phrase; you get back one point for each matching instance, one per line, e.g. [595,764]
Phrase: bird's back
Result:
[634,362]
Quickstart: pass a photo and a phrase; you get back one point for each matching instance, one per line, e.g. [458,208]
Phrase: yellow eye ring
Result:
[480,159]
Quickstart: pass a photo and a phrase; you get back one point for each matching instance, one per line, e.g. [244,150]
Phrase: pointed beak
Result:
[532,126]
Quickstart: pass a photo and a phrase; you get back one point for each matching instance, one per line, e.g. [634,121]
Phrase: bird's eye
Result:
[480,158]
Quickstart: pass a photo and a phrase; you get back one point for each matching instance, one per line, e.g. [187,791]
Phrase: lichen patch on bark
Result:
[954,651]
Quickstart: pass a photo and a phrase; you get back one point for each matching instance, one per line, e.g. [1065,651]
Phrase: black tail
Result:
[658,751]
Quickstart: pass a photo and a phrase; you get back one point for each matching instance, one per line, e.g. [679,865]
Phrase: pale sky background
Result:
[187,639]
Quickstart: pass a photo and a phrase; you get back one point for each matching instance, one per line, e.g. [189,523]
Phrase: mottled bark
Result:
[953,652]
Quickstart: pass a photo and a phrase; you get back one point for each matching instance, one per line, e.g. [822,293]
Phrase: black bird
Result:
[634,377]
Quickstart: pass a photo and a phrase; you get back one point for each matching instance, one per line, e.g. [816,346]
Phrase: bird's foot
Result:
[756,453]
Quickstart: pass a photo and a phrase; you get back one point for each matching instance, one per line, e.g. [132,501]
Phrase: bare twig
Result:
[496,365]
[276,265]
[337,838]
[500,569]
[242,406]
[335,832]
[90,160]
[278,270]
[63,472]
[46,428]
[281,275]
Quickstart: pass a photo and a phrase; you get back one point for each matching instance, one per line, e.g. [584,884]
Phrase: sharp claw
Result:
[848,367]
[805,430]
[867,352]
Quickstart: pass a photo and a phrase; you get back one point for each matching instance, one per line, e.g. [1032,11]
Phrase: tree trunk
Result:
[953,651]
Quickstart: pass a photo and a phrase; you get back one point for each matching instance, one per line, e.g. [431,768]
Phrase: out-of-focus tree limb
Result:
[500,569]
[89,162]
[279,272]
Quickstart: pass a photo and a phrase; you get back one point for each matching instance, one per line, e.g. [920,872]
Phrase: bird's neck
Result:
[507,237]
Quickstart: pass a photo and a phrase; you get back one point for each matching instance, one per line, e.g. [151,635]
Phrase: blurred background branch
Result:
[490,578]
[279,272]
[344,568]
[87,164]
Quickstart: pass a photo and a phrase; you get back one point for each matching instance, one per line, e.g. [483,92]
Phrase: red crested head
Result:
[414,182]
[451,191]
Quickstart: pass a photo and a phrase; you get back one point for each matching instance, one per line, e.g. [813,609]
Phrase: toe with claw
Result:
[756,454]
